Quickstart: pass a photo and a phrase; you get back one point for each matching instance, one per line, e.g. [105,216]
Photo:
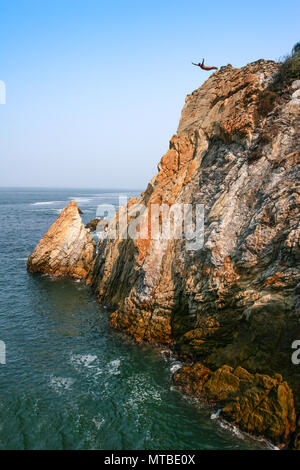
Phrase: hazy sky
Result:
[95,88]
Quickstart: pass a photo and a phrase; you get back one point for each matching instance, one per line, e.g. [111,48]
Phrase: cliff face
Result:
[243,167]
[232,302]
[67,249]
[229,307]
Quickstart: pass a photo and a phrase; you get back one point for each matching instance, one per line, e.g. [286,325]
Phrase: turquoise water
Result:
[70,382]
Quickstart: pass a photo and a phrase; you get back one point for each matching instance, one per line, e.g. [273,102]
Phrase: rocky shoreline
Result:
[230,310]
[257,403]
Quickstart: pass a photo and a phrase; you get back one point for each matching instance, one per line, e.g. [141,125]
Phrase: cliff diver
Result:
[204,67]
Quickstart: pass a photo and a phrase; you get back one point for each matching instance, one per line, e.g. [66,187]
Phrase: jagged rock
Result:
[258,403]
[92,224]
[296,442]
[97,224]
[296,84]
[231,302]
[248,264]
[67,249]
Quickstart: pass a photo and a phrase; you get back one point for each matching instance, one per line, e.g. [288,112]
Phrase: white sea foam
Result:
[88,365]
[80,200]
[165,352]
[45,203]
[142,391]
[98,422]
[61,383]
[175,367]
[216,414]
[113,367]
[172,360]
[268,444]
[83,359]
[232,428]
[243,435]
[109,195]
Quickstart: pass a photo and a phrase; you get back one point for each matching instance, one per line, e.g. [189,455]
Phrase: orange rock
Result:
[259,404]
[67,249]
[232,301]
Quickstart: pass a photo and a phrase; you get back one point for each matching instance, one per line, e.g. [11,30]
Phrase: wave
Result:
[113,367]
[142,391]
[110,195]
[242,435]
[216,414]
[176,366]
[80,200]
[61,383]
[98,422]
[172,360]
[83,359]
[45,203]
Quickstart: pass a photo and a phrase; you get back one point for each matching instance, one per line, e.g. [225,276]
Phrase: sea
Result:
[67,380]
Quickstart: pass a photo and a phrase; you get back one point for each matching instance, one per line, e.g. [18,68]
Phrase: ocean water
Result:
[70,382]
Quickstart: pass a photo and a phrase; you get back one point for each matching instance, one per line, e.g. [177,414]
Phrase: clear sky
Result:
[94,89]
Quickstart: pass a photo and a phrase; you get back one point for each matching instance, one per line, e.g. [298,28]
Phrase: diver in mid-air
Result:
[204,67]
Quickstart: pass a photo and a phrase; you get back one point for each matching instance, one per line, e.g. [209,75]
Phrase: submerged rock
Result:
[67,249]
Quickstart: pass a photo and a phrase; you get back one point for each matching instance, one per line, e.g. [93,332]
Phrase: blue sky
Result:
[95,89]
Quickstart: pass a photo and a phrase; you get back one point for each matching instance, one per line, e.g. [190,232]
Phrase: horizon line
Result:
[72,187]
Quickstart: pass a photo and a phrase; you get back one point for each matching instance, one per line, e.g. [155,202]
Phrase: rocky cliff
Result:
[228,308]
[67,249]
[232,302]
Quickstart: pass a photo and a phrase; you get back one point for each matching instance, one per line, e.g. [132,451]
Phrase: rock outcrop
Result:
[67,249]
[257,403]
[232,302]
[97,224]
